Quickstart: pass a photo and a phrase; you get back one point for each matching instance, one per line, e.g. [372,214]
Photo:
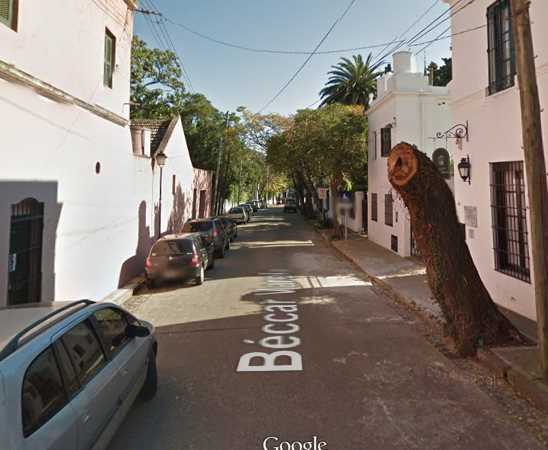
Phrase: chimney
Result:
[140,140]
[404,62]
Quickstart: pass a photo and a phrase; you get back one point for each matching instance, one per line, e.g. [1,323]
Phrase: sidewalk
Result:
[404,279]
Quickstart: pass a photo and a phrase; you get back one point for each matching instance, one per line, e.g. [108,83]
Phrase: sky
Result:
[231,77]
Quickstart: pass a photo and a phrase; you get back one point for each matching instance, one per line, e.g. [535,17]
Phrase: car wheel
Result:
[227,246]
[200,278]
[151,382]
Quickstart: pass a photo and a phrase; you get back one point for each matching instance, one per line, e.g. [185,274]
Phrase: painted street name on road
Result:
[280,316]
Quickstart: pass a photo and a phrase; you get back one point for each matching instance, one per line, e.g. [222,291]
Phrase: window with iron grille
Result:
[374,208]
[388,210]
[502,64]
[110,58]
[386,140]
[510,219]
[8,13]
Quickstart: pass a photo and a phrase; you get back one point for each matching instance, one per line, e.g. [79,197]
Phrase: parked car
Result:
[231,229]
[238,214]
[213,232]
[254,206]
[179,257]
[290,205]
[248,210]
[69,374]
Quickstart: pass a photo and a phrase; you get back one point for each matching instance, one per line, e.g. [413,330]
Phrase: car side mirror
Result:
[133,331]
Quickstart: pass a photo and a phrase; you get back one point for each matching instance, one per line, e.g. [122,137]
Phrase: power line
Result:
[422,32]
[322,40]
[268,50]
[398,38]
[163,37]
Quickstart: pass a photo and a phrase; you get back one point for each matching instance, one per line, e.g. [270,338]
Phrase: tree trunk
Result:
[334,187]
[472,317]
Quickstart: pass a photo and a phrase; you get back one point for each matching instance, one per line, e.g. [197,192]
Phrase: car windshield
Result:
[201,226]
[235,211]
[174,247]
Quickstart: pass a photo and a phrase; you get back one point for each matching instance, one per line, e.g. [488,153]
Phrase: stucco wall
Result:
[61,42]
[495,135]
[101,202]
[416,111]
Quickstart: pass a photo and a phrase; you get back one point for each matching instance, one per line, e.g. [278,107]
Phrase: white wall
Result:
[417,112]
[495,135]
[98,226]
[61,42]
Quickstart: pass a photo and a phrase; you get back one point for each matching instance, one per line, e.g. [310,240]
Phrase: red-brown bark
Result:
[472,317]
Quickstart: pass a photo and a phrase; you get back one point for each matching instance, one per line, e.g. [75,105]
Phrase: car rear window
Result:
[235,211]
[169,248]
[201,226]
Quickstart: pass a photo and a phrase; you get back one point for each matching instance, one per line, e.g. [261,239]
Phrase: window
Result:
[510,220]
[502,64]
[373,145]
[68,372]
[8,13]
[43,393]
[85,351]
[386,140]
[110,58]
[172,247]
[374,207]
[112,325]
[388,210]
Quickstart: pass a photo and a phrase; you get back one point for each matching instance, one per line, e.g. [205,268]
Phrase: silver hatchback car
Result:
[69,374]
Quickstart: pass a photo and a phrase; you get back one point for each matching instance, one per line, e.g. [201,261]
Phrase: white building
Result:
[484,93]
[77,203]
[407,108]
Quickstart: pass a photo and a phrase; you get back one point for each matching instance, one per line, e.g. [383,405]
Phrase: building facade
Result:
[493,204]
[409,109]
[79,205]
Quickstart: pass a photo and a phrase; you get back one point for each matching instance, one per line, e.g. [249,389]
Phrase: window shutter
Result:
[6,7]
[109,59]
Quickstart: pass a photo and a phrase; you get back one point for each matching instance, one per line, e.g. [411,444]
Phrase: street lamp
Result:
[160,159]
[465,169]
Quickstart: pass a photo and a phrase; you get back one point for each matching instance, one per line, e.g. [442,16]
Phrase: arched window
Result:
[442,160]
[25,253]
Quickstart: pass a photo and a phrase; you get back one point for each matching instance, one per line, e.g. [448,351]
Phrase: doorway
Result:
[25,252]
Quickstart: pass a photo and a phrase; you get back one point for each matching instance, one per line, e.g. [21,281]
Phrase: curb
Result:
[386,289]
[122,295]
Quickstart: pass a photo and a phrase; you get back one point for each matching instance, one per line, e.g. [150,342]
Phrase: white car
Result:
[70,373]
[238,214]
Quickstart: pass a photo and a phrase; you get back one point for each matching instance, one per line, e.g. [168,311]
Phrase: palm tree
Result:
[351,81]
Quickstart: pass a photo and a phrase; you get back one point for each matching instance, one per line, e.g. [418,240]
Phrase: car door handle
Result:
[86,418]
[123,372]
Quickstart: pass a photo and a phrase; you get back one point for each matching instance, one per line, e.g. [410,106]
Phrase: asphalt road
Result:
[369,380]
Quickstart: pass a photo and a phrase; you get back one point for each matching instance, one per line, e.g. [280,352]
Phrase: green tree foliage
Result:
[327,146]
[156,87]
[442,74]
[351,82]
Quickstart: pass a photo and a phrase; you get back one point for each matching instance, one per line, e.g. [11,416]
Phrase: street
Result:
[369,379]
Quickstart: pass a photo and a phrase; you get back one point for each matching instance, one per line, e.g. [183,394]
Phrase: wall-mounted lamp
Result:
[465,169]
[394,122]
[160,159]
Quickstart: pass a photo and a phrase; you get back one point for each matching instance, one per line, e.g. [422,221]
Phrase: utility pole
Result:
[535,166]
[216,199]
